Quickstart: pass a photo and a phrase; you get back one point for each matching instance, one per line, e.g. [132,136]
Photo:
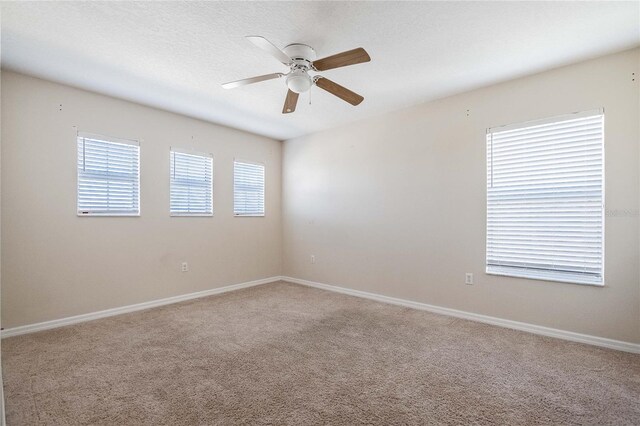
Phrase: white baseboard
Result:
[516,325]
[32,328]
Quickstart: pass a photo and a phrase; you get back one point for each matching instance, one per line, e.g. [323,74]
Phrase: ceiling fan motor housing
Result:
[298,80]
[301,54]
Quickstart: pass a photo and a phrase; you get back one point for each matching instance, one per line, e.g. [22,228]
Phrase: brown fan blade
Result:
[350,57]
[341,92]
[290,102]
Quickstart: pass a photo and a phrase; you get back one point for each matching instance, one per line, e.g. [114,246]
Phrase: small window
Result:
[191,184]
[108,176]
[248,189]
[545,184]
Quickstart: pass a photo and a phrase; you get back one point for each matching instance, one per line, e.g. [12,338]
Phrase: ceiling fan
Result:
[301,59]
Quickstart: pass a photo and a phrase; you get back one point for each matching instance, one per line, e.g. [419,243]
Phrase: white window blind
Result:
[248,189]
[108,176]
[191,184]
[545,199]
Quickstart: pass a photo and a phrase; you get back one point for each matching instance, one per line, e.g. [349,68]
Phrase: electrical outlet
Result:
[468,278]
[313,258]
[185,267]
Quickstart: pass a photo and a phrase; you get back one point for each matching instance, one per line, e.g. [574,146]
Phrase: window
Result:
[248,189]
[191,184]
[545,186]
[108,176]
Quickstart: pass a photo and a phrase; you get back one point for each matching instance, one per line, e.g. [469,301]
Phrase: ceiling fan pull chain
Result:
[309,96]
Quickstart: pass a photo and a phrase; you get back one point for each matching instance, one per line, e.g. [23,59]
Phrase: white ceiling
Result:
[175,55]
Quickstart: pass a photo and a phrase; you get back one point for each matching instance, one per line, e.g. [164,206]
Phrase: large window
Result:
[545,183]
[191,184]
[248,189]
[108,176]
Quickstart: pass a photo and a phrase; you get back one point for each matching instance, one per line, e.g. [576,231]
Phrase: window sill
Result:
[524,275]
[108,215]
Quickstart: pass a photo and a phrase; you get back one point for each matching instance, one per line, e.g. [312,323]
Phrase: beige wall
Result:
[56,264]
[396,204]
[393,205]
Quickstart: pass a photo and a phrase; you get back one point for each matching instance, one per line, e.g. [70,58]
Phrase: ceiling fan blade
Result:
[339,91]
[350,57]
[290,102]
[251,80]
[267,46]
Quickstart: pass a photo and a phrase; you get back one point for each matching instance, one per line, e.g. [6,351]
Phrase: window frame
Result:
[541,277]
[264,187]
[115,140]
[197,154]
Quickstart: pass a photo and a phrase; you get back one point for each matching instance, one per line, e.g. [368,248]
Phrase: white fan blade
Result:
[267,46]
[251,80]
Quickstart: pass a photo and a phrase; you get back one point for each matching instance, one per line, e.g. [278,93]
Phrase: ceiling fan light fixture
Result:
[299,81]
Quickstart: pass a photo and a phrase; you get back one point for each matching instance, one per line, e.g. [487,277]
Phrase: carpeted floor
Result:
[286,354]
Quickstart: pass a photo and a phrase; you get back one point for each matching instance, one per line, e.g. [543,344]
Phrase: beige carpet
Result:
[287,354]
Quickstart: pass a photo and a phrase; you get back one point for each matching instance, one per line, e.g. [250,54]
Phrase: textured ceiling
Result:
[174,55]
